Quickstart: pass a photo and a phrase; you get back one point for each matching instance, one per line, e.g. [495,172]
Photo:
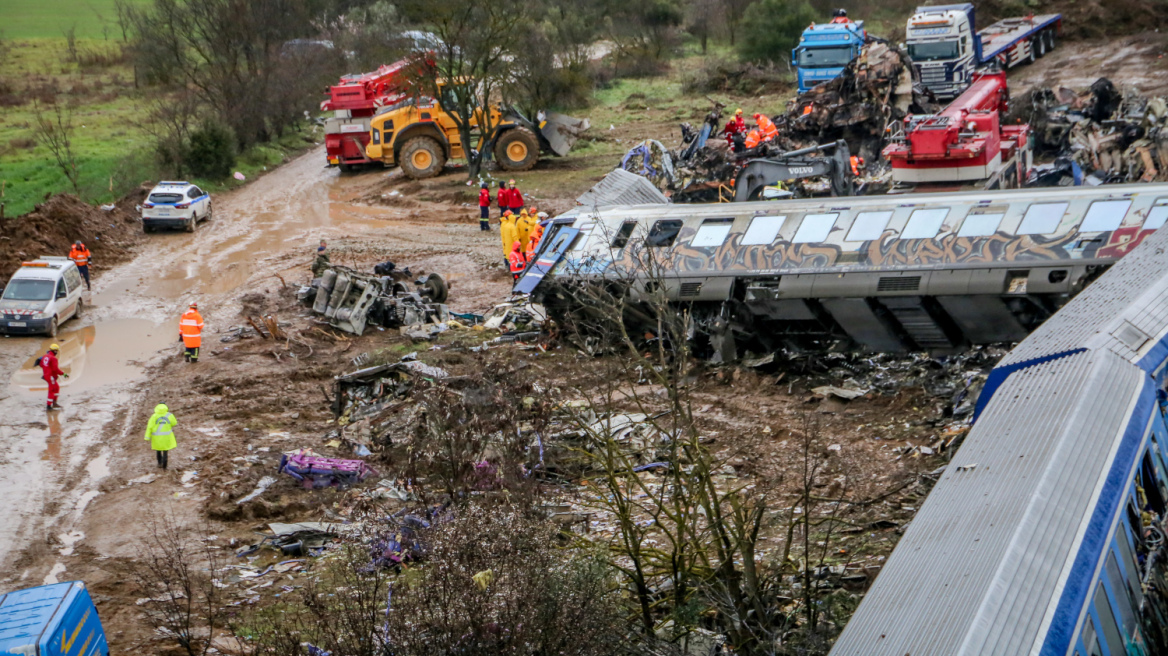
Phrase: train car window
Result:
[622,235]
[1157,215]
[1105,215]
[1129,623]
[815,228]
[712,233]
[868,226]
[924,224]
[1123,539]
[1107,625]
[663,233]
[1090,639]
[980,225]
[763,230]
[1042,218]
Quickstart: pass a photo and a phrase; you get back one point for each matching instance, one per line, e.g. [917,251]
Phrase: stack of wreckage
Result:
[350,299]
[1100,136]
[874,92]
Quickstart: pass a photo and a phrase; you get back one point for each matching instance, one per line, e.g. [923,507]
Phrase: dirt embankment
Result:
[53,226]
[1084,19]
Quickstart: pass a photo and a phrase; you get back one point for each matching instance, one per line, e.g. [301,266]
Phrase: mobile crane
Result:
[354,101]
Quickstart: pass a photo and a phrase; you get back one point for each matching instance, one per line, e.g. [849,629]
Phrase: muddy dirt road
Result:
[56,464]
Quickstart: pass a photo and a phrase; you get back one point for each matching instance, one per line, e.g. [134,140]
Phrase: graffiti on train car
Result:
[888,251]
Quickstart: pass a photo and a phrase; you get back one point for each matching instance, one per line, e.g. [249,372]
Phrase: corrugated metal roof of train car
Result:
[620,187]
[793,206]
[978,569]
[1134,290]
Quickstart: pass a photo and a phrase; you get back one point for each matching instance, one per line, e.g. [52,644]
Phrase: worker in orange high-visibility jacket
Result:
[752,139]
[190,331]
[857,164]
[766,127]
[516,261]
[81,256]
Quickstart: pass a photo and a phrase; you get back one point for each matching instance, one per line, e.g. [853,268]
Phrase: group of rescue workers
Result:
[736,133]
[160,427]
[520,227]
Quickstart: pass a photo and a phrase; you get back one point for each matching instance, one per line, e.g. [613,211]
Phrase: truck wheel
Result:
[1050,39]
[422,157]
[345,168]
[1039,44]
[517,150]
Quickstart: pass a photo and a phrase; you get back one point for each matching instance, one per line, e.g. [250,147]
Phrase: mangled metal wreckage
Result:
[932,272]
[350,299]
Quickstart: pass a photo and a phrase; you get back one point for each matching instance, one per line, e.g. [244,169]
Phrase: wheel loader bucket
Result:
[561,132]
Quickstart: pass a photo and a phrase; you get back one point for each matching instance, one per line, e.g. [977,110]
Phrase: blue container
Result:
[51,620]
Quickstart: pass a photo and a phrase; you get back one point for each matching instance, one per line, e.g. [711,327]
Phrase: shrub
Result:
[719,75]
[211,152]
[771,28]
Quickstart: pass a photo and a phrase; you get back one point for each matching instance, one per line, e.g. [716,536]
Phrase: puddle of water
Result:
[51,577]
[84,500]
[98,468]
[69,542]
[98,355]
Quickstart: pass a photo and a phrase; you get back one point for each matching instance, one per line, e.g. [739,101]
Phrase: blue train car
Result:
[1046,533]
[51,620]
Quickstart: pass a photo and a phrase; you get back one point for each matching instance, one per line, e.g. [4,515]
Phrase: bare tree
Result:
[469,64]
[178,576]
[55,131]
[732,12]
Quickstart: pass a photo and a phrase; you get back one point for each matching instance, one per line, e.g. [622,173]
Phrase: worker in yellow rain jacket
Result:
[509,233]
[523,226]
[160,433]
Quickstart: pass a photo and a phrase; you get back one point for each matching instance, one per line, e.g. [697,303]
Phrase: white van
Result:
[43,294]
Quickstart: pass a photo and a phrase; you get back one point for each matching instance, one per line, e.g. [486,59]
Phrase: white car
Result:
[43,294]
[175,205]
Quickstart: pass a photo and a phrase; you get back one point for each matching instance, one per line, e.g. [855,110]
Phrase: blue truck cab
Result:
[51,620]
[824,50]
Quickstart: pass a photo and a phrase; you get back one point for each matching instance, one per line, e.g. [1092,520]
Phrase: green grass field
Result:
[30,19]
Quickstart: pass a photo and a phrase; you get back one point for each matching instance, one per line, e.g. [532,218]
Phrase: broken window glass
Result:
[815,228]
[868,226]
[763,230]
[1105,215]
[924,224]
[712,233]
[1042,218]
[980,225]
[622,235]
[664,232]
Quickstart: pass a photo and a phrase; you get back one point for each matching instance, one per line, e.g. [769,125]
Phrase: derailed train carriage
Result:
[1045,534]
[886,273]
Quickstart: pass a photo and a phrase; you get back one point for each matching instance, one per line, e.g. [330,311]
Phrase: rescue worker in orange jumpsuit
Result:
[190,331]
[81,256]
[516,261]
[857,164]
[840,16]
[533,240]
[753,138]
[50,370]
[766,127]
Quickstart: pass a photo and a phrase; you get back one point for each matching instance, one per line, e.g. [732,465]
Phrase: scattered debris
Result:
[350,299]
[261,487]
[316,472]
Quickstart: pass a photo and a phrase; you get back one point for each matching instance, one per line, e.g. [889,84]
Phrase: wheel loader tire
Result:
[517,150]
[422,157]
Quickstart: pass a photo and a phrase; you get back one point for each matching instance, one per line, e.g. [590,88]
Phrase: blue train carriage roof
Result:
[1001,556]
[33,621]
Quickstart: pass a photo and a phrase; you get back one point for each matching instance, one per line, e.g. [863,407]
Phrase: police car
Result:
[43,294]
[175,205]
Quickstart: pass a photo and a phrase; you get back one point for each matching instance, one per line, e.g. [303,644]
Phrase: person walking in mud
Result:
[50,371]
[81,257]
[160,433]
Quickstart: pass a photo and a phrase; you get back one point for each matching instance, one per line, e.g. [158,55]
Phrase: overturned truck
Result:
[932,272]
[350,299]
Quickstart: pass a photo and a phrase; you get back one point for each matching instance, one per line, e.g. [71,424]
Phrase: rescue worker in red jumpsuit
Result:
[516,260]
[736,125]
[840,16]
[50,370]
[485,208]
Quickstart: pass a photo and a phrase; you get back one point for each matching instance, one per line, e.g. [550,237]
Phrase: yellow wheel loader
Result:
[419,136]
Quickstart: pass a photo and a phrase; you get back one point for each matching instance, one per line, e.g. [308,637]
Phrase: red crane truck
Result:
[354,101]
[965,142]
